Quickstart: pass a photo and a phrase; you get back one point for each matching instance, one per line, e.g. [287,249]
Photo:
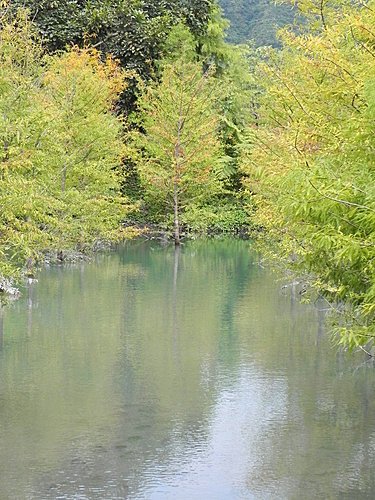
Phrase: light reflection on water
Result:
[150,374]
[228,453]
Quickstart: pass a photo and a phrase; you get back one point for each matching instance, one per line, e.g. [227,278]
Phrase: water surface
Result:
[151,374]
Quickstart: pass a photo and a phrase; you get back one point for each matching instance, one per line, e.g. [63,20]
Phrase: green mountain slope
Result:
[255,19]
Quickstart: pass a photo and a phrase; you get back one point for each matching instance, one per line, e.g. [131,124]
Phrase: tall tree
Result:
[178,149]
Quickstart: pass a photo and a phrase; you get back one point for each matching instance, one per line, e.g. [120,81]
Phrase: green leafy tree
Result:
[83,143]
[60,146]
[178,150]
[20,131]
[310,160]
[223,209]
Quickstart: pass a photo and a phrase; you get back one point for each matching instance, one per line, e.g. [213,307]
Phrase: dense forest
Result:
[256,20]
[120,116]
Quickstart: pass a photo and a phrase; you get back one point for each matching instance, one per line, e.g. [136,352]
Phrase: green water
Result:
[150,374]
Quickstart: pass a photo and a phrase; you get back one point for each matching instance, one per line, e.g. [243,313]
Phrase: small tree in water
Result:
[179,149]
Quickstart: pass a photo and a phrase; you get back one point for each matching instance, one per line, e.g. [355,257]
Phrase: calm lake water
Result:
[150,374]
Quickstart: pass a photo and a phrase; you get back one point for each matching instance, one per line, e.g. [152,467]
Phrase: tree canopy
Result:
[310,159]
[132,31]
[60,144]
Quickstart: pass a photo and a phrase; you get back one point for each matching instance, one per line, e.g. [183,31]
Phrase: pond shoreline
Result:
[10,288]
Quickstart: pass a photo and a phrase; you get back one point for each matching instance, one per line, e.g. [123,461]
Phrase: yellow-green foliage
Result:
[60,144]
[179,147]
[312,158]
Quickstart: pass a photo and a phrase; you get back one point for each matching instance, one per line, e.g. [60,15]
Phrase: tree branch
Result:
[338,200]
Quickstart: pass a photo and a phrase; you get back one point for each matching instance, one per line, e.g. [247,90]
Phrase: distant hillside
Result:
[255,19]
